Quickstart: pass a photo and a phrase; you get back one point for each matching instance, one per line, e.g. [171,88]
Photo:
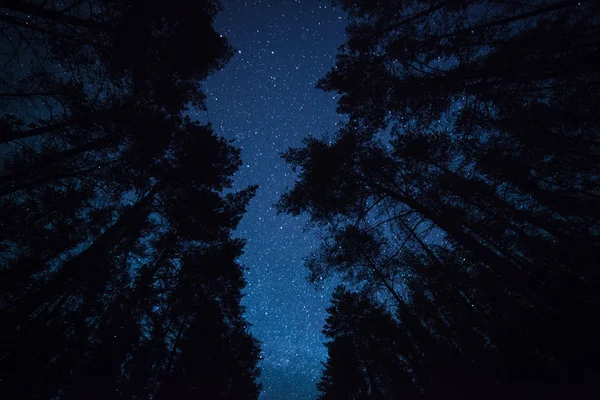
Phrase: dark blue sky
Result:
[265,99]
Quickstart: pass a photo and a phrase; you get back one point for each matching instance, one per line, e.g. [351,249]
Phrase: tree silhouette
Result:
[366,354]
[463,124]
[119,276]
[84,52]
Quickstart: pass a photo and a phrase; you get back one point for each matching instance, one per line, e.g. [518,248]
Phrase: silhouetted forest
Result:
[119,277]
[459,203]
[477,121]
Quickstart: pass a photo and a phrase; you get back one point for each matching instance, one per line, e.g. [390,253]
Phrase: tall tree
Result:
[84,300]
[119,271]
[465,124]
[367,354]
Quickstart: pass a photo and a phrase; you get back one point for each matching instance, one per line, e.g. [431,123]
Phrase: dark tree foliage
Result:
[366,352]
[476,121]
[76,63]
[118,274]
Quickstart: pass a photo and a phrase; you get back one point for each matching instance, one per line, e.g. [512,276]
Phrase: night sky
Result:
[265,99]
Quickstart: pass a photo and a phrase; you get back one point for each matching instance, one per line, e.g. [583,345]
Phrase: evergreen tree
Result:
[119,276]
[367,354]
[462,123]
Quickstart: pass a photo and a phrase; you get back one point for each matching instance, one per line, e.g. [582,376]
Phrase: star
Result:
[286,311]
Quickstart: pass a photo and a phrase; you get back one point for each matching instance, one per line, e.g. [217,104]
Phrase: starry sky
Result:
[265,99]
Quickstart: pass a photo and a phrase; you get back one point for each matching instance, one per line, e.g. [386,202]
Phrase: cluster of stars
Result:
[265,99]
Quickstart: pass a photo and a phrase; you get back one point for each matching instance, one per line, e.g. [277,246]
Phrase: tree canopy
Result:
[119,275]
[476,122]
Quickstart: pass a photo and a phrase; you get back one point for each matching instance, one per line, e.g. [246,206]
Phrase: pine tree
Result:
[367,352]
[116,234]
[463,124]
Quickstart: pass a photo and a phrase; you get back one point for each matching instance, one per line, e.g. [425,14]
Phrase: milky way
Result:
[265,99]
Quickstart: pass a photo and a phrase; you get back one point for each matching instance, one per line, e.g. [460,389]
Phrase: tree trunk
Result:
[16,180]
[65,282]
